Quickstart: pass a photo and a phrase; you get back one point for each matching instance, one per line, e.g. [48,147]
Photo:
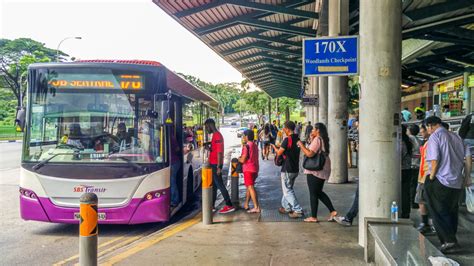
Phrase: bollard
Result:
[88,230]
[234,184]
[206,174]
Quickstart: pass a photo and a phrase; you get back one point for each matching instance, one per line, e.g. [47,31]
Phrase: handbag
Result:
[470,199]
[315,163]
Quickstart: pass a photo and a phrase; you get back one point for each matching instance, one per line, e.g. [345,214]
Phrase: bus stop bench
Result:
[396,243]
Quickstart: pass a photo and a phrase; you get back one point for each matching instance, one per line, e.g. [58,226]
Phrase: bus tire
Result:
[190,184]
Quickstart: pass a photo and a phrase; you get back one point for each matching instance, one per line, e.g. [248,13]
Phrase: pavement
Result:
[240,238]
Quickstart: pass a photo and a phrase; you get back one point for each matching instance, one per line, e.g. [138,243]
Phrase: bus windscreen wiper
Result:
[45,161]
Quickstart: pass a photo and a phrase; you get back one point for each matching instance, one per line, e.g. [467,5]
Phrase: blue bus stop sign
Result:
[331,56]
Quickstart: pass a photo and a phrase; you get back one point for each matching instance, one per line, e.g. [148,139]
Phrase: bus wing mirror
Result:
[20,119]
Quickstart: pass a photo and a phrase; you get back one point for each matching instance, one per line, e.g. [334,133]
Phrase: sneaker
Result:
[283,211]
[227,209]
[295,215]
[343,221]
[423,228]
[448,247]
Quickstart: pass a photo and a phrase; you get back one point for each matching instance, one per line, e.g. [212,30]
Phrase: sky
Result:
[114,29]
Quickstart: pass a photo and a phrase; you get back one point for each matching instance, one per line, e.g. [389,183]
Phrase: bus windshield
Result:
[89,115]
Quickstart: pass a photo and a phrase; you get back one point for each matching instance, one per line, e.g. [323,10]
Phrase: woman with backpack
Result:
[319,147]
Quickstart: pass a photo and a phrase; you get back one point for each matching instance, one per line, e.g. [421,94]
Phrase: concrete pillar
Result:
[337,98]
[323,81]
[312,111]
[269,109]
[380,76]
[467,94]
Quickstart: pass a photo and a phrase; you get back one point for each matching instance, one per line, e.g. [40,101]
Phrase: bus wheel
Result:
[190,184]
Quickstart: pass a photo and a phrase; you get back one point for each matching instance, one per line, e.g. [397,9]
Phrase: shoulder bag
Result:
[315,163]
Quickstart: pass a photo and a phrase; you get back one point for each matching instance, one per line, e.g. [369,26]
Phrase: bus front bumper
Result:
[137,211]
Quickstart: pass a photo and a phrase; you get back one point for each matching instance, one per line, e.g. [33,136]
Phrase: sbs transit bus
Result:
[114,128]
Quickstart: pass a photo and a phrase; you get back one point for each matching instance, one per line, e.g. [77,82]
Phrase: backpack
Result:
[280,159]
[240,169]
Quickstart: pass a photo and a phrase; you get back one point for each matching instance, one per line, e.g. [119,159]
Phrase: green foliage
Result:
[15,57]
[8,105]
[226,94]
[353,95]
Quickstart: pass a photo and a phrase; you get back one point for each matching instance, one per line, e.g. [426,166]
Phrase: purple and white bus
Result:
[115,128]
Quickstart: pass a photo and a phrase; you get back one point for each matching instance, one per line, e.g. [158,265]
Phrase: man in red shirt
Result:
[216,160]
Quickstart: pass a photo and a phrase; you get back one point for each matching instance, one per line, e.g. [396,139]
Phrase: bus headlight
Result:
[28,193]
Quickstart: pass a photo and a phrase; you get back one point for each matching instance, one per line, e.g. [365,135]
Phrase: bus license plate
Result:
[101,216]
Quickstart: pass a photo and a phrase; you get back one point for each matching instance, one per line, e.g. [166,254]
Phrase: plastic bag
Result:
[442,261]
[470,199]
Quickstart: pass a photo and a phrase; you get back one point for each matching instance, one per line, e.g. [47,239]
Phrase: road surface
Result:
[37,243]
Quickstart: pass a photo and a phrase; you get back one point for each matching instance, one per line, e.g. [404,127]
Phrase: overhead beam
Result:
[273,69]
[262,46]
[265,62]
[440,37]
[270,76]
[274,9]
[438,9]
[460,60]
[266,55]
[247,20]
[459,33]
[437,25]
[446,66]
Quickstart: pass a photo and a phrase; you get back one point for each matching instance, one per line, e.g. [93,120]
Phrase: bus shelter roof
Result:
[263,38]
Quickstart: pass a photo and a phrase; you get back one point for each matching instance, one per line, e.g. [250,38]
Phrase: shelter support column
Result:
[337,97]
[467,94]
[311,110]
[380,76]
[269,109]
[323,81]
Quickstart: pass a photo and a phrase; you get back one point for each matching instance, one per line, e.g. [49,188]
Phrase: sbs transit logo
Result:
[89,189]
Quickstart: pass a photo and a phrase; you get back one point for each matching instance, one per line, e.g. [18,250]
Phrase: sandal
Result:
[254,210]
[332,216]
[246,208]
[311,220]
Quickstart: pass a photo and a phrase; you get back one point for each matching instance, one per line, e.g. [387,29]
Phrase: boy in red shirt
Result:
[216,160]
[249,160]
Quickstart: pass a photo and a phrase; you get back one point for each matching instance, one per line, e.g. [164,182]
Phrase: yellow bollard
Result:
[88,230]
[234,182]
[206,175]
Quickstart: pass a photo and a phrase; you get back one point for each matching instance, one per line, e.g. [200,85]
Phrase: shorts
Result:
[266,143]
[420,193]
[249,178]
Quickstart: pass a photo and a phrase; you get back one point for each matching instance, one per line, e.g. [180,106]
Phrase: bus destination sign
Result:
[98,81]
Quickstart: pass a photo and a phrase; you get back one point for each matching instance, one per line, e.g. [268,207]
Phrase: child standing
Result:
[249,161]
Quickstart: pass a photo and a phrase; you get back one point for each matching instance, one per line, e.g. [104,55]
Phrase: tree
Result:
[353,92]
[287,105]
[15,57]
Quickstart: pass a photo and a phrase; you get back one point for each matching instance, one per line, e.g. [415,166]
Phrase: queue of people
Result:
[288,150]
[434,170]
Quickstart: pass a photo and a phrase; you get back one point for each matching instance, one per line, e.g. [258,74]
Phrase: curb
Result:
[11,141]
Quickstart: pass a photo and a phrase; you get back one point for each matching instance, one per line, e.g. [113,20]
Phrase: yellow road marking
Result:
[63,262]
[150,242]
